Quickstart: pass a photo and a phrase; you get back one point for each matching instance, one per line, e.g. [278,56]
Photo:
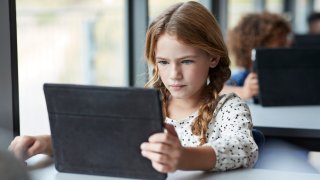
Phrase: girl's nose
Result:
[175,73]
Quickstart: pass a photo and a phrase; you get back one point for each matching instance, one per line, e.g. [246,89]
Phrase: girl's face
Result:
[183,69]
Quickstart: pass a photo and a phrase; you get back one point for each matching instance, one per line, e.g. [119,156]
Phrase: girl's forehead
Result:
[169,46]
[167,42]
[167,36]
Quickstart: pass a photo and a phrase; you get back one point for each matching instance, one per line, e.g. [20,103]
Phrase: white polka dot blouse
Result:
[229,134]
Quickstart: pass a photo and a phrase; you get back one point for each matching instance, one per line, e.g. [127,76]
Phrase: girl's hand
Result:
[251,86]
[164,150]
[24,147]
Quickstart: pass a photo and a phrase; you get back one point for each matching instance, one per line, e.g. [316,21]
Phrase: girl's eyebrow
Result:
[161,58]
[180,58]
[187,57]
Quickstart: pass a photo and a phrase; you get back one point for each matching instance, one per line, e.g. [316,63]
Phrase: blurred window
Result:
[238,8]
[66,41]
[275,6]
[157,6]
[301,13]
[316,5]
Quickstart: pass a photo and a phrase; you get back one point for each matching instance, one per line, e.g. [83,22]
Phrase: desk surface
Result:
[41,168]
[291,121]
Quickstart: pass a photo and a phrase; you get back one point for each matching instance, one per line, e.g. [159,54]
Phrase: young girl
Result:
[207,131]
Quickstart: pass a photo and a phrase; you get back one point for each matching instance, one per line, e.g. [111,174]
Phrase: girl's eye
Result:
[187,61]
[163,62]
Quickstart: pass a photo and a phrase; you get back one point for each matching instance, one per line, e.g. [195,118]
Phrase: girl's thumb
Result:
[170,129]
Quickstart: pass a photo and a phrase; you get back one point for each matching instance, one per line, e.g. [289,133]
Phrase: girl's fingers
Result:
[163,149]
[160,167]
[36,148]
[161,162]
[163,168]
[157,157]
[166,150]
[170,129]
[20,146]
[12,146]
[165,138]
[156,147]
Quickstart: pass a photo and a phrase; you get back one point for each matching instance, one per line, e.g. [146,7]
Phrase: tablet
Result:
[98,130]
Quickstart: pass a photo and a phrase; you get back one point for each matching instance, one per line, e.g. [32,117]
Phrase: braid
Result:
[156,82]
[200,126]
[165,95]
[210,100]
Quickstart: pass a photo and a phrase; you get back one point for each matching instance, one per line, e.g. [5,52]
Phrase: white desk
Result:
[289,121]
[42,168]
[301,121]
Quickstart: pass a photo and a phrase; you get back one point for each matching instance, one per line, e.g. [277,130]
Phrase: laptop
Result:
[288,77]
[306,41]
[98,130]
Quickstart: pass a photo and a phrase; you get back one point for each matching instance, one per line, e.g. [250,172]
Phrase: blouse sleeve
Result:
[234,146]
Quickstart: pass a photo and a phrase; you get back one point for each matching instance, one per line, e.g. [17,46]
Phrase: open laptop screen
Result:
[306,41]
[288,76]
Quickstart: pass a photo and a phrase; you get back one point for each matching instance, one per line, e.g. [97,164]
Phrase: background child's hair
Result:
[255,30]
[193,25]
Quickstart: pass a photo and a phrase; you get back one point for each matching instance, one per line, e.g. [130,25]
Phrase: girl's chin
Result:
[177,95]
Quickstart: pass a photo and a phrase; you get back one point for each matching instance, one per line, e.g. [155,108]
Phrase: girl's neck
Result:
[182,108]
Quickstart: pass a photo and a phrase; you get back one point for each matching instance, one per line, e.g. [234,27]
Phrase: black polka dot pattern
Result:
[229,134]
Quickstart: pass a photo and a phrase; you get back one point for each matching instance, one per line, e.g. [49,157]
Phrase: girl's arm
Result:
[234,146]
[197,158]
[24,147]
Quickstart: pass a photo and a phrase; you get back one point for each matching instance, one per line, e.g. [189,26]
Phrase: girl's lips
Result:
[177,87]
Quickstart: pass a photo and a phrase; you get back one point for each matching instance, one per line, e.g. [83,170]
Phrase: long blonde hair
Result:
[193,25]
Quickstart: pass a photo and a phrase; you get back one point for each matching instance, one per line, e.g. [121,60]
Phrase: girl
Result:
[207,131]
[191,64]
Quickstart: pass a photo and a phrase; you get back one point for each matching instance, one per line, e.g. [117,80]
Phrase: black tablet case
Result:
[99,130]
[288,77]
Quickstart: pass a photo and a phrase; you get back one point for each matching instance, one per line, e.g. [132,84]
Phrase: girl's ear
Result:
[214,61]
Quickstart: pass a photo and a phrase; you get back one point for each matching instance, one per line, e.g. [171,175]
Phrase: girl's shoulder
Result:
[230,101]
[229,98]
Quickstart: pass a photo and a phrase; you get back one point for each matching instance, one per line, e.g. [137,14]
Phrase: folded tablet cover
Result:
[288,76]
[99,130]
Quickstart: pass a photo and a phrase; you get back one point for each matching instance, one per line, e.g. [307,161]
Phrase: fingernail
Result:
[142,153]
